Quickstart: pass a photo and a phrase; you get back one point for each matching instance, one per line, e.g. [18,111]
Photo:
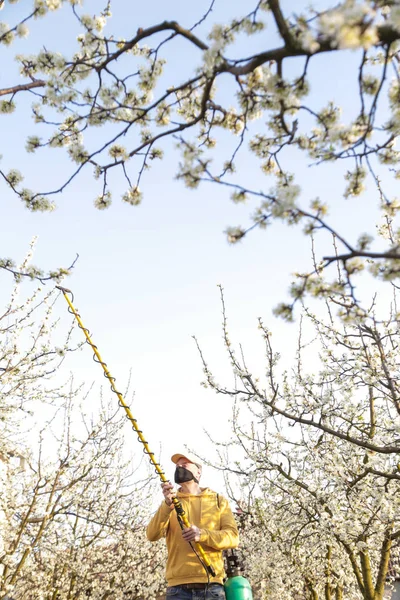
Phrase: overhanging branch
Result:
[23,87]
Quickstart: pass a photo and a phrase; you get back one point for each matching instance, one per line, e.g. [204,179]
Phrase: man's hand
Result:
[191,534]
[169,492]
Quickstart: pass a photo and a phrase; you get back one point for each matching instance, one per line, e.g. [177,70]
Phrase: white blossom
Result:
[22,30]
[133,196]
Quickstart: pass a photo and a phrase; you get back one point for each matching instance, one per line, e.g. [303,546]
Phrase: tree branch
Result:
[281,22]
[23,87]
[145,33]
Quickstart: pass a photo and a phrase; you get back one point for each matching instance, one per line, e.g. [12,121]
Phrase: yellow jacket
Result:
[211,513]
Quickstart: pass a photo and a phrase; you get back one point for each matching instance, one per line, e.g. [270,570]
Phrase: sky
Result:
[147,276]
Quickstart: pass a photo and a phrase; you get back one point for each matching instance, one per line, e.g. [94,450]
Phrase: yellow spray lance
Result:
[181,515]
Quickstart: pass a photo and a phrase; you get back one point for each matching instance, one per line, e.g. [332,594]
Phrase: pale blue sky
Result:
[146,278]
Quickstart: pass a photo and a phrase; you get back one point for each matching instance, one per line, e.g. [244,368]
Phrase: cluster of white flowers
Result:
[234,234]
[133,196]
[163,114]
[355,185]
[192,168]
[7,107]
[103,201]
[22,30]
[53,4]
[148,76]
[351,25]
[6,34]
[370,84]
[34,202]
[14,177]
[239,196]
[286,194]
[308,40]
[364,241]
[78,153]
[118,152]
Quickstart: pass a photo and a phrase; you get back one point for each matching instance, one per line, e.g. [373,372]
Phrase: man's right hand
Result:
[169,492]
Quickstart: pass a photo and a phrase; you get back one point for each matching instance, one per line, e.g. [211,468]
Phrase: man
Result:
[211,524]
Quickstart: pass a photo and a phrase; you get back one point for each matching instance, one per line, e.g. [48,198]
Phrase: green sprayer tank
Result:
[236,586]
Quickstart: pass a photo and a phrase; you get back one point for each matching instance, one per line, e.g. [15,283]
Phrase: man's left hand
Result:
[191,534]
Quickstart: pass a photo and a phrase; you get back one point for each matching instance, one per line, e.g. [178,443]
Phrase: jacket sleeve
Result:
[157,528]
[225,537]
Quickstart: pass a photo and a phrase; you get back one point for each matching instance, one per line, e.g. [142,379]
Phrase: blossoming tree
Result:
[316,448]
[73,505]
[125,89]
[284,556]
[75,526]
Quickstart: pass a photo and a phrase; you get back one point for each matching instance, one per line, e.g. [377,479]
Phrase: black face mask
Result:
[183,475]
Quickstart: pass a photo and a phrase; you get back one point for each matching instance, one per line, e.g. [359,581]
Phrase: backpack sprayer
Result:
[236,586]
